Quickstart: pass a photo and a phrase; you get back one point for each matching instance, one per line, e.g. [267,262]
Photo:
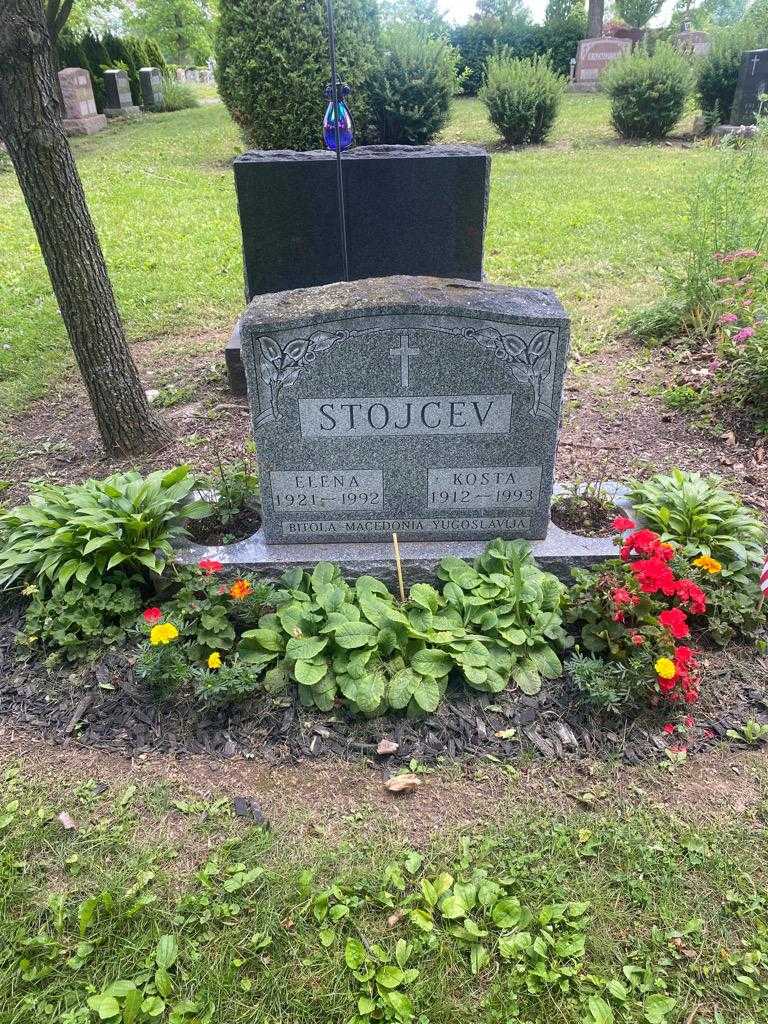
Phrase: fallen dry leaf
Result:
[402,783]
[67,822]
[394,919]
[387,747]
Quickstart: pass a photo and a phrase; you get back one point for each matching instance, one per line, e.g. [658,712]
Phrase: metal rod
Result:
[337,134]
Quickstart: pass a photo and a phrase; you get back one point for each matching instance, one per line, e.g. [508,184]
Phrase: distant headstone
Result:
[593,57]
[191,75]
[80,116]
[410,210]
[752,85]
[152,95]
[181,75]
[414,405]
[697,43]
[118,101]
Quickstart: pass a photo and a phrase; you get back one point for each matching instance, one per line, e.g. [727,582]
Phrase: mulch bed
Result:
[105,706]
[584,515]
[212,531]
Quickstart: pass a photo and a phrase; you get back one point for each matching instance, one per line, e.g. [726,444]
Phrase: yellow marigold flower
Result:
[240,589]
[214,660]
[163,633]
[665,668]
[708,564]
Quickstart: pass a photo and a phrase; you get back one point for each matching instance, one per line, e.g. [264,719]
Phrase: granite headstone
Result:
[593,57]
[752,85]
[414,405]
[152,95]
[80,114]
[410,210]
[697,43]
[118,101]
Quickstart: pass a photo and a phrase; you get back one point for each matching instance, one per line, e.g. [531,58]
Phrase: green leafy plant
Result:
[522,97]
[272,67]
[638,13]
[412,85]
[495,620]
[178,95]
[81,619]
[647,91]
[81,532]
[161,662]
[232,682]
[752,732]
[237,487]
[697,513]
[612,686]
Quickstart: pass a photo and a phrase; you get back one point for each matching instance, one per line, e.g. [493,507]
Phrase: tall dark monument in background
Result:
[415,210]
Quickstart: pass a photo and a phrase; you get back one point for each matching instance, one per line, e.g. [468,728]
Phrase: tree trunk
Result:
[30,125]
[595,18]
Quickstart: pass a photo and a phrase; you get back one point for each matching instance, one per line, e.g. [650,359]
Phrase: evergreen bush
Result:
[522,97]
[411,89]
[718,75]
[648,92]
[273,66]
[154,55]
[480,39]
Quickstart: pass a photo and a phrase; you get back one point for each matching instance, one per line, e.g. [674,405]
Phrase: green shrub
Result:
[561,38]
[522,97]
[481,38]
[178,95]
[273,66]
[718,75]
[81,619]
[647,92]
[154,55]
[412,86]
[231,683]
[613,686]
[697,513]
[497,619]
[80,532]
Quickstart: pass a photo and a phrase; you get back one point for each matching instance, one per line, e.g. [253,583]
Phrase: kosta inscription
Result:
[484,487]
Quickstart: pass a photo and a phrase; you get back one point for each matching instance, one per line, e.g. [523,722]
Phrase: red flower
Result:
[684,657]
[637,639]
[622,523]
[676,622]
[691,596]
[668,729]
[688,722]
[653,574]
[152,616]
[709,734]
[618,616]
[210,565]
[647,543]
[622,596]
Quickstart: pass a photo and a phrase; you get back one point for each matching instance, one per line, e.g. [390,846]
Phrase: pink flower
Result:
[688,721]
[728,318]
[743,334]
[152,616]
[668,729]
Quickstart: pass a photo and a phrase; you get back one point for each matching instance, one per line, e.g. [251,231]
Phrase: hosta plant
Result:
[81,532]
[697,513]
[493,621]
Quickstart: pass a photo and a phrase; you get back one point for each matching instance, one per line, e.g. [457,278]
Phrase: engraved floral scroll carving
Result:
[529,362]
[280,367]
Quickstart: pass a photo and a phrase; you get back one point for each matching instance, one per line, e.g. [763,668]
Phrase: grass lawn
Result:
[584,214]
[633,914]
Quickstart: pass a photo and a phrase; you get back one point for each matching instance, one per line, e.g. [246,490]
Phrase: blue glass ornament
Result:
[346,125]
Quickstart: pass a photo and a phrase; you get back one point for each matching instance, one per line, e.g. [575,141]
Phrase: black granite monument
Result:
[118,101]
[753,83]
[416,210]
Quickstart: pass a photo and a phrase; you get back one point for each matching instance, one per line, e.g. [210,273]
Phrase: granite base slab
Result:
[84,125]
[560,552]
[115,112]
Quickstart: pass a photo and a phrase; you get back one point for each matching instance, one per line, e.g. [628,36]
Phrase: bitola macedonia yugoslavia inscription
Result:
[414,405]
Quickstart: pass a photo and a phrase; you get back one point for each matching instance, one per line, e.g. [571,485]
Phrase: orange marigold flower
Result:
[708,564]
[240,589]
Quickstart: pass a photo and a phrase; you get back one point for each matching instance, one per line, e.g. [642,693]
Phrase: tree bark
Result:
[31,127]
[595,17]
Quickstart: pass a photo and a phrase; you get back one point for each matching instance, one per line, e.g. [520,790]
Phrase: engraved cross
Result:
[755,61]
[404,352]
